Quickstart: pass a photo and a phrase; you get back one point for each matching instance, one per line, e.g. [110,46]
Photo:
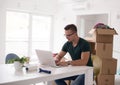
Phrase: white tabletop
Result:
[8,75]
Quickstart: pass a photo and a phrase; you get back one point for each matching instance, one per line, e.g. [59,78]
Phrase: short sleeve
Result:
[86,47]
[65,47]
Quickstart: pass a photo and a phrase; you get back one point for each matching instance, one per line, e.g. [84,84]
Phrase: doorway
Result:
[86,22]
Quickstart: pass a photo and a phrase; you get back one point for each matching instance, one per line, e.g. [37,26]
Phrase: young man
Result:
[79,50]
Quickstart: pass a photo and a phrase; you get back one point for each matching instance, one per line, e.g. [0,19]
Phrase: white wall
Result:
[63,17]
[2,30]
[39,6]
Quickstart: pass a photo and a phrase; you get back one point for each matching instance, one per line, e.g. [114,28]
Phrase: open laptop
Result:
[46,58]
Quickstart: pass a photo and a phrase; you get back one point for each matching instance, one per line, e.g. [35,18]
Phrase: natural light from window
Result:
[26,32]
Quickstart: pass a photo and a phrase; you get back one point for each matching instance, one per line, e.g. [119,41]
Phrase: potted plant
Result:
[19,62]
[22,60]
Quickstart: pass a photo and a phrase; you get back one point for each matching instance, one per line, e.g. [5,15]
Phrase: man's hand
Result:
[62,63]
[56,60]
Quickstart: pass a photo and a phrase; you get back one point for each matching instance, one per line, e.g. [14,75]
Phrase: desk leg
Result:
[49,83]
[89,77]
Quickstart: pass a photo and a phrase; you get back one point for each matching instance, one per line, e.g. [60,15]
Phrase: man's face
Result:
[70,35]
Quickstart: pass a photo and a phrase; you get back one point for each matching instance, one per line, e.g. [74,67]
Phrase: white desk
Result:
[8,75]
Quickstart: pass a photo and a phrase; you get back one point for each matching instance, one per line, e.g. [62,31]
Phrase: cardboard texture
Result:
[103,35]
[105,80]
[103,31]
[92,45]
[108,66]
[104,50]
[103,38]
[101,44]
[100,31]
[104,65]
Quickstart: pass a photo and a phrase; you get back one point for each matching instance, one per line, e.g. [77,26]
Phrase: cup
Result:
[17,65]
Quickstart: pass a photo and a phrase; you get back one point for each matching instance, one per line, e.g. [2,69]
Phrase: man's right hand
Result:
[56,59]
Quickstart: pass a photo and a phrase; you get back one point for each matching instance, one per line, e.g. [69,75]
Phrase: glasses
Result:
[69,35]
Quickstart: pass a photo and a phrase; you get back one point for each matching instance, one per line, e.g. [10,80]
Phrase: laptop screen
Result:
[45,57]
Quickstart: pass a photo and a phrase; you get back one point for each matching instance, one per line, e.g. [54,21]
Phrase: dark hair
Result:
[71,27]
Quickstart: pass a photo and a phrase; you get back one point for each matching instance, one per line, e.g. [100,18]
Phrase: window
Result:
[26,32]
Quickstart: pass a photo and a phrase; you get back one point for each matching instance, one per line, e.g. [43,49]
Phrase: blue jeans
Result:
[78,80]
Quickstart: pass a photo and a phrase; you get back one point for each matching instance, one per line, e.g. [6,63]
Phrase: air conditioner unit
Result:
[69,1]
[75,4]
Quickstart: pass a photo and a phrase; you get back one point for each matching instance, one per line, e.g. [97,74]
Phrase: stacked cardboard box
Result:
[103,48]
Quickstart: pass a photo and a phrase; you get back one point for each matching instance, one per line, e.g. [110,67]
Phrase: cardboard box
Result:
[92,45]
[100,31]
[104,50]
[103,35]
[104,38]
[108,66]
[106,80]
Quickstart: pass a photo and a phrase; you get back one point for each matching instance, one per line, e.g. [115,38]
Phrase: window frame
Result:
[29,42]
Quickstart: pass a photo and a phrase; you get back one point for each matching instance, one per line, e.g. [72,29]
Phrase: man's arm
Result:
[59,56]
[81,62]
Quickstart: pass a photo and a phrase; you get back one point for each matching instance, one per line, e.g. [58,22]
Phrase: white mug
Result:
[17,65]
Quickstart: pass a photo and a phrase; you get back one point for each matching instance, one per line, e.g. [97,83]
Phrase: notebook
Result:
[46,58]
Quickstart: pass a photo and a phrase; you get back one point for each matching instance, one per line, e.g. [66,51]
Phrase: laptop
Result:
[46,58]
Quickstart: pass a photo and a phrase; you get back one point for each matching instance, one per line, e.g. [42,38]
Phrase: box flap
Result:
[101,31]
[106,31]
[92,31]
